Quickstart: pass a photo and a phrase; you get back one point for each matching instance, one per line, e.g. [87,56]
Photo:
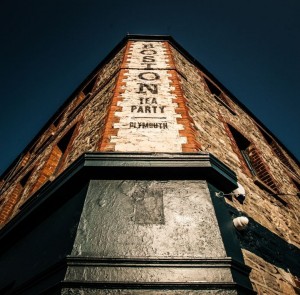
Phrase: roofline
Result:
[109,56]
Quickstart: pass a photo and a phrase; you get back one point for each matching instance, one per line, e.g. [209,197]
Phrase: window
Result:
[243,145]
[62,147]
[297,186]
[219,95]
[213,88]
[55,160]
[13,199]
[15,171]
[89,87]
[251,159]
[25,179]
[58,120]
[65,140]
[277,150]
[25,159]
[80,99]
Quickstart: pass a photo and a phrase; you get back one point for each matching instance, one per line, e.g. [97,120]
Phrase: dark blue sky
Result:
[48,47]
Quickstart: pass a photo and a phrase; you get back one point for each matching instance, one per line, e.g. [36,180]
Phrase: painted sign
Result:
[147,120]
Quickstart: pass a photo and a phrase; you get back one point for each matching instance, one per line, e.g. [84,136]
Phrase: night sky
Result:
[49,47]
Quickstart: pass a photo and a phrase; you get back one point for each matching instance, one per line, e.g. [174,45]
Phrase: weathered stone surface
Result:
[267,278]
[185,228]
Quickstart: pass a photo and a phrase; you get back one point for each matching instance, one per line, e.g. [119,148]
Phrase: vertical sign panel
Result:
[147,117]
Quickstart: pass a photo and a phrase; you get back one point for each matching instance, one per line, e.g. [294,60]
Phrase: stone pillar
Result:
[155,230]
[120,223]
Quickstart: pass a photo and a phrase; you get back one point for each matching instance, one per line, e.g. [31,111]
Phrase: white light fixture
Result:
[240,223]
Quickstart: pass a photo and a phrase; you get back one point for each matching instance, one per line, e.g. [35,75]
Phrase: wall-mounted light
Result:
[241,222]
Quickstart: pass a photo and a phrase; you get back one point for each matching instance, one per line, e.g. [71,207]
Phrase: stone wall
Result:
[154,81]
[76,129]
[211,116]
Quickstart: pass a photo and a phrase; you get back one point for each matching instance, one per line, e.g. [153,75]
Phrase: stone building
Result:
[140,184]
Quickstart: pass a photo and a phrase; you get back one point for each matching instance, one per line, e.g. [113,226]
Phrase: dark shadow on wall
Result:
[267,245]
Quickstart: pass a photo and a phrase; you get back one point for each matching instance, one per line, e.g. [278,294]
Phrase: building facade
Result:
[128,189]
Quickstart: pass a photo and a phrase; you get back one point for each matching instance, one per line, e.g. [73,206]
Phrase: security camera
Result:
[239,193]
